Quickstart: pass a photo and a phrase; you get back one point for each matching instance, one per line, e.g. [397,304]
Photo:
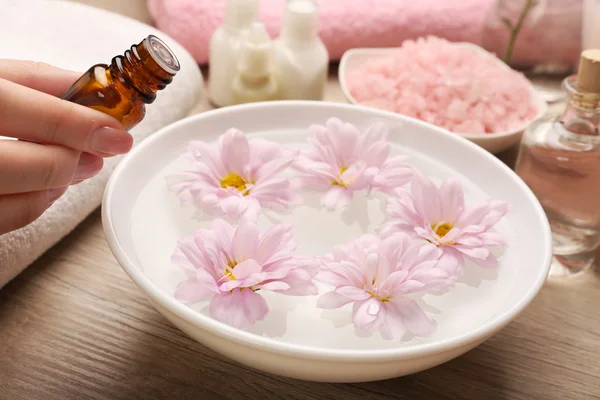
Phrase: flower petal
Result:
[426,198]
[223,234]
[246,268]
[275,286]
[415,319]
[376,154]
[245,241]
[353,293]
[299,283]
[473,215]
[191,290]
[240,309]
[451,199]
[329,276]
[273,240]
[205,278]
[471,241]
[492,239]
[497,210]
[332,300]
[488,262]
[393,281]
[451,261]
[274,167]
[393,327]
[370,265]
[336,198]
[480,253]
[233,206]
[235,151]
[365,313]
[230,285]
[210,157]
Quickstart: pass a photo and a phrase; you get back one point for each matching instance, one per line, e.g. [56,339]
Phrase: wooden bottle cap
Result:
[588,77]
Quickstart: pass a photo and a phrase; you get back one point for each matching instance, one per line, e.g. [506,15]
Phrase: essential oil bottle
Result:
[560,161]
[123,88]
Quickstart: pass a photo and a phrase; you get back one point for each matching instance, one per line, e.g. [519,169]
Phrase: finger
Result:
[27,167]
[38,76]
[18,210]
[37,117]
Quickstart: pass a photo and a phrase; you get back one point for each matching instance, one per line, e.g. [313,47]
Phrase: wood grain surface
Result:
[74,326]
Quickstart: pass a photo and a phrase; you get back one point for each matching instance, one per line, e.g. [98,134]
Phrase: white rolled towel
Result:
[75,36]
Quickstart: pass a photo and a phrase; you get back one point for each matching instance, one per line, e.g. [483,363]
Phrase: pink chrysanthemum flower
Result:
[238,179]
[439,216]
[378,277]
[342,160]
[230,266]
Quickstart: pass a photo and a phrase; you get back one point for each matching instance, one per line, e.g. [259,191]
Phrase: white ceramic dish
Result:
[494,143]
[142,221]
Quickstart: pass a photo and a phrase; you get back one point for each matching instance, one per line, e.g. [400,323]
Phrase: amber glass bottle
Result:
[123,88]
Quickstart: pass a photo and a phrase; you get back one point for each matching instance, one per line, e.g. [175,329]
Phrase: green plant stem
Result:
[514,30]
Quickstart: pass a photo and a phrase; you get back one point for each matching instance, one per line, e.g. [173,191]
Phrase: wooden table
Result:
[74,326]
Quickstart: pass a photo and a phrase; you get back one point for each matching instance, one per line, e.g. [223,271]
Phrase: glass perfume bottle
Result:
[123,88]
[560,161]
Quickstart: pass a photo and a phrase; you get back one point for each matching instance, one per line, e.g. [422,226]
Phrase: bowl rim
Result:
[377,51]
[270,345]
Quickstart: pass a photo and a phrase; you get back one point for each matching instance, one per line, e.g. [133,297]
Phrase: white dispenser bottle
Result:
[224,48]
[255,81]
[301,59]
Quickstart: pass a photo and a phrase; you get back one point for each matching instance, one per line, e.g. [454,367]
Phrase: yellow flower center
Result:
[338,181]
[382,299]
[442,229]
[229,271]
[236,181]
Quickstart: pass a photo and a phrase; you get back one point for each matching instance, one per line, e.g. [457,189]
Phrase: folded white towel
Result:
[75,36]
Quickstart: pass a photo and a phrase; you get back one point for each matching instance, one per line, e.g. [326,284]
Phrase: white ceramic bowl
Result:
[142,221]
[494,143]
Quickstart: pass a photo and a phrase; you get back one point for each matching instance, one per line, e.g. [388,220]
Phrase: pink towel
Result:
[347,24]
[344,24]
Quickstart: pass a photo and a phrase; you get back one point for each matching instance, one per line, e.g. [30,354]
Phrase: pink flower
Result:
[378,276]
[439,216]
[237,180]
[231,265]
[342,160]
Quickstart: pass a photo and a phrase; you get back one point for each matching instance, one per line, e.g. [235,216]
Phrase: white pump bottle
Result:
[225,44]
[255,81]
[301,59]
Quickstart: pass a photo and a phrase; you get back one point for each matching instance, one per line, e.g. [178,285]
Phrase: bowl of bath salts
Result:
[457,86]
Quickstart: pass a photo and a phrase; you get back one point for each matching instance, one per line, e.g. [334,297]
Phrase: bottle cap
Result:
[240,14]
[301,20]
[255,53]
[588,76]
[161,53]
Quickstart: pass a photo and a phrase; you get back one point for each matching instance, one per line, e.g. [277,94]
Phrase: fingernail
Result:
[110,141]
[88,166]
[54,194]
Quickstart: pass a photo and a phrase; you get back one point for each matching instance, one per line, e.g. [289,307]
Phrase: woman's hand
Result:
[61,143]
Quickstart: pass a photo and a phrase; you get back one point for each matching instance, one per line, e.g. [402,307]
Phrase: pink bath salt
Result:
[457,109]
[458,88]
